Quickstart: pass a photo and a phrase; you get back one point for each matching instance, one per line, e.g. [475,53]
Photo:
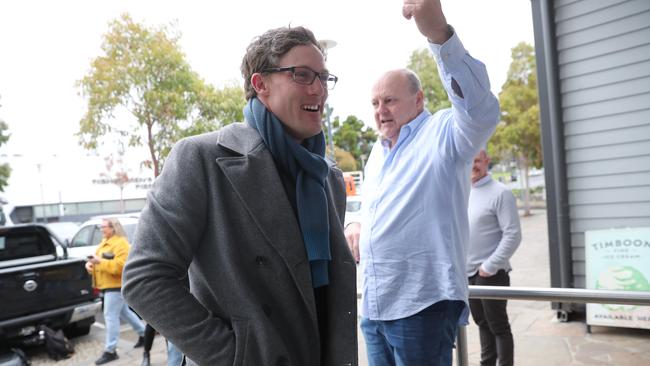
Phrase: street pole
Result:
[40,179]
[328,121]
[326,44]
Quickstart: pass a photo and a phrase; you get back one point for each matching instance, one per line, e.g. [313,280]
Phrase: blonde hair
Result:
[116,226]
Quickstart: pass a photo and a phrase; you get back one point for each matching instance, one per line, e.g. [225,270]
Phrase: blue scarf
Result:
[307,167]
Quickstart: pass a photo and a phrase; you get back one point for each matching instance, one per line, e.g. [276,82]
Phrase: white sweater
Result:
[494,230]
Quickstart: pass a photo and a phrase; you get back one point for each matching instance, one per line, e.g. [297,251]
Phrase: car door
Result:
[84,242]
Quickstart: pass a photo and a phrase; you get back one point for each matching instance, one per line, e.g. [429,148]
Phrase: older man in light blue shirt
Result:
[414,227]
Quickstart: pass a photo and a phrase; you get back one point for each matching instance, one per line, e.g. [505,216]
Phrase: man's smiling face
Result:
[299,107]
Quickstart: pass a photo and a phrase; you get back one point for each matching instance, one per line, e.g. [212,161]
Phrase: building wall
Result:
[603,57]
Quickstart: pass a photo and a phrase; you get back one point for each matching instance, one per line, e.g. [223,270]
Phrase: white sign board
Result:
[618,259]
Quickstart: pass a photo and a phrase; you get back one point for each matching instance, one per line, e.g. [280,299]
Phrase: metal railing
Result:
[571,295]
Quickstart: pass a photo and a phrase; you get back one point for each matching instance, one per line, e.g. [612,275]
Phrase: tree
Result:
[116,172]
[143,72]
[518,134]
[345,160]
[424,65]
[5,169]
[354,137]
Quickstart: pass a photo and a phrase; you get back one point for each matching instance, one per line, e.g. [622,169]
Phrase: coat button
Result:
[260,260]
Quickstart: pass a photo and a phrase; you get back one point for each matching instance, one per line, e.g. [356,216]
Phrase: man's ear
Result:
[259,84]
[419,100]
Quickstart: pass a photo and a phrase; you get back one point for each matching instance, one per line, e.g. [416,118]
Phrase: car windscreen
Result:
[23,244]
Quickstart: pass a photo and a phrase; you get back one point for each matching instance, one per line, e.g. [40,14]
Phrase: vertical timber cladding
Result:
[603,56]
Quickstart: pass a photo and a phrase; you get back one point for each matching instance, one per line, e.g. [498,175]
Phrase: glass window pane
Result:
[83,237]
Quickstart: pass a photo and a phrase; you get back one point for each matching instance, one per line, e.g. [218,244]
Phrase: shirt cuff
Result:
[490,272]
[452,51]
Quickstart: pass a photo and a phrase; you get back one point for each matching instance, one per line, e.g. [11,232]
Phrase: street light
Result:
[326,44]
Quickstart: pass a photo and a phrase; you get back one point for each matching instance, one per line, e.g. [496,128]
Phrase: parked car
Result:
[39,286]
[352,209]
[86,240]
[63,230]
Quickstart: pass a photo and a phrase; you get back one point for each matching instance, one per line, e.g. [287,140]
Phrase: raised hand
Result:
[429,19]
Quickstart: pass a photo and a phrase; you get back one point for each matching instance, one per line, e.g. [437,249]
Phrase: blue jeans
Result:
[424,339]
[174,355]
[115,309]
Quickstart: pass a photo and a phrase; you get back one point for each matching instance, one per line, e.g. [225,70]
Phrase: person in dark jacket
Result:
[255,213]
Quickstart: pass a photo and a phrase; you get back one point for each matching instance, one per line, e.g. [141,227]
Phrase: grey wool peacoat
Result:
[219,212]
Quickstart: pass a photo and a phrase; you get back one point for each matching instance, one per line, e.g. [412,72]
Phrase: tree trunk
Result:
[526,187]
[121,199]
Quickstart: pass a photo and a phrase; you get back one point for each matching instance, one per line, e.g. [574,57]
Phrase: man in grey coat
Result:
[253,212]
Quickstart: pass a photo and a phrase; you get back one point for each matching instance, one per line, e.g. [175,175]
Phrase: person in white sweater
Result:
[494,235]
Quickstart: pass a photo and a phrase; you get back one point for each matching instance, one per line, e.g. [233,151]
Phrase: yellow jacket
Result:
[108,272]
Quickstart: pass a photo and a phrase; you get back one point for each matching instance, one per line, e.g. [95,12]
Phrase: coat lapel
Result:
[254,177]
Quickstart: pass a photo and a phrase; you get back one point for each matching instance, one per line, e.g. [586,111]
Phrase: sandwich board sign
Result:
[618,259]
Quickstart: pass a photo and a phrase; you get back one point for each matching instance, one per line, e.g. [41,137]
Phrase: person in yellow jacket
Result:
[106,268]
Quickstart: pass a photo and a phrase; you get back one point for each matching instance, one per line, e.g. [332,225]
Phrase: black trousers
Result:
[491,317]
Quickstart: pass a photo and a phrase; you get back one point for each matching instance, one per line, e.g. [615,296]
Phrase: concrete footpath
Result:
[540,340]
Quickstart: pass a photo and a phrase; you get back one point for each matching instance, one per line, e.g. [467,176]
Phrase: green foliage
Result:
[345,160]
[5,169]
[143,71]
[424,65]
[354,137]
[221,107]
[518,134]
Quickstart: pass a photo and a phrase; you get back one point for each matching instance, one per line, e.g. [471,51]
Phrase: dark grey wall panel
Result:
[580,8]
[606,46]
[603,16]
[612,166]
[607,123]
[639,179]
[582,225]
[610,196]
[614,90]
[617,151]
[603,69]
[607,108]
[606,62]
[611,137]
[579,269]
[622,210]
[618,27]
[605,77]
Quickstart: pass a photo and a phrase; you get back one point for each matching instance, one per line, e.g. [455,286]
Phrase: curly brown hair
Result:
[266,50]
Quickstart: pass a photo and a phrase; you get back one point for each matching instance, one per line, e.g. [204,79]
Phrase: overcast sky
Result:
[45,46]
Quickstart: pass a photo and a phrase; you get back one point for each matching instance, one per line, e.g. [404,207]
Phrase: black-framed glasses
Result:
[306,76]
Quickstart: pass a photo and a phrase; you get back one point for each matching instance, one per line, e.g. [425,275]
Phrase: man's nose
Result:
[317,88]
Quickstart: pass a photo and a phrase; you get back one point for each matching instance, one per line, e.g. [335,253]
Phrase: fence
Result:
[546,294]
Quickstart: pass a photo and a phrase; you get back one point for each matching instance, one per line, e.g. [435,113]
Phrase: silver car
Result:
[85,241]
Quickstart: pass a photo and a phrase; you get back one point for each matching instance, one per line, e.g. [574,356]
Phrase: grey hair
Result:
[413,81]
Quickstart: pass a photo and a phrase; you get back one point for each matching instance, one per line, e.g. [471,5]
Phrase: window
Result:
[83,237]
[23,245]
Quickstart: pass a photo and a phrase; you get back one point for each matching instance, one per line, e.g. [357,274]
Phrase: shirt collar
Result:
[482,181]
[405,130]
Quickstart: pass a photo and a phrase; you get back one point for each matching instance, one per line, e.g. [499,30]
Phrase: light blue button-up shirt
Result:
[414,226]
